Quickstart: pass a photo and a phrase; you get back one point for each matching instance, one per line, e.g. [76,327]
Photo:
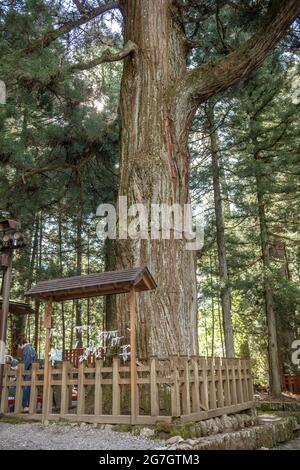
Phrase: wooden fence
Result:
[291,383]
[177,388]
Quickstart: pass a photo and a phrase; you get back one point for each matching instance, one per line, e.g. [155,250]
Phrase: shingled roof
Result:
[93,285]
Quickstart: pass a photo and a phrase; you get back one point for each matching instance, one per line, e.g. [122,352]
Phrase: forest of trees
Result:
[87,118]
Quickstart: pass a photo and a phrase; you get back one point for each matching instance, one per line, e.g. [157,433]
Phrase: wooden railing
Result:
[187,389]
[291,383]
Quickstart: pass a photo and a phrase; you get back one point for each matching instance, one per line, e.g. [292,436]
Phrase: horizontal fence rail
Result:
[177,388]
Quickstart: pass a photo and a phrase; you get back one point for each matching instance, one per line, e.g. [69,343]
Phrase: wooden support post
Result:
[133,368]
[233,382]
[47,364]
[98,388]
[154,388]
[33,389]
[245,379]
[250,381]
[116,388]
[227,395]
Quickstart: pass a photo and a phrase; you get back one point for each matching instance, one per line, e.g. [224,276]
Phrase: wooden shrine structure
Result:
[143,391]
[18,308]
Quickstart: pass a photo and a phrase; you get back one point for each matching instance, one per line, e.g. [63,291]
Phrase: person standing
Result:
[29,356]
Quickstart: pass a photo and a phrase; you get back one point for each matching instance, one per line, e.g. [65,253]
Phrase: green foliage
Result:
[258,134]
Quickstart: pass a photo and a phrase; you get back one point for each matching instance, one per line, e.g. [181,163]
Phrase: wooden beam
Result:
[133,369]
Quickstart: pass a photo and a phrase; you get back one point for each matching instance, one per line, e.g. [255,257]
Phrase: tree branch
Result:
[80,6]
[106,56]
[53,34]
[204,11]
[213,77]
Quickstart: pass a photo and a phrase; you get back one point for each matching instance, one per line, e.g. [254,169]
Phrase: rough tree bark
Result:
[225,291]
[155,169]
[61,270]
[158,100]
[78,311]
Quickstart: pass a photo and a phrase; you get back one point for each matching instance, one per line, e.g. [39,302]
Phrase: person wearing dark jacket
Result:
[29,356]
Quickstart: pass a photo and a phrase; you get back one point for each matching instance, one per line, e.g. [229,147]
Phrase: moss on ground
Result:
[122,428]
[16,420]
[165,430]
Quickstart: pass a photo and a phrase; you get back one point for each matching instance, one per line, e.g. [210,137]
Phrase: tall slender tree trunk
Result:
[225,290]
[155,169]
[274,369]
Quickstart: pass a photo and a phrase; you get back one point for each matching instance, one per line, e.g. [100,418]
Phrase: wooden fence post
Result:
[81,389]
[175,393]
[65,397]
[154,397]
[115,388]
[33,389]
[212,389]
[19,389]
[98,387]
[220,388]
[245,380]
[5,384]
[195,387]
[204,383]
[186,396]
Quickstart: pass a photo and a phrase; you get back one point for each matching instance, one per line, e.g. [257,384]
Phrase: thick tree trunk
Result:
[37,303]
[155,169]
[61,272]
[78,314]
[225,291]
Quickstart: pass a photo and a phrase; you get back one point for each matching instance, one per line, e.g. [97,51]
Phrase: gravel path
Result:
[37,437]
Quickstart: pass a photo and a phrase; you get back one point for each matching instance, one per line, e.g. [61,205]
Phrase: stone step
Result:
[269,432]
